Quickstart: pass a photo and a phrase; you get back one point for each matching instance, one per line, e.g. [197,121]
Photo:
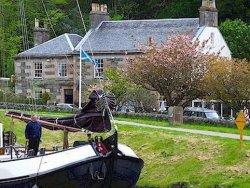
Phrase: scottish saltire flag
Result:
[85,57]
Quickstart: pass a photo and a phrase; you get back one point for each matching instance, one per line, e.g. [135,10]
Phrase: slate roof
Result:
[127,35]
[61,45]
[115,37]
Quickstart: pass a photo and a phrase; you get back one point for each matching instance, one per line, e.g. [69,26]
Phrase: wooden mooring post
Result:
[65,139]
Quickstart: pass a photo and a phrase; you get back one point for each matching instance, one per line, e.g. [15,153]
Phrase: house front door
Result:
[68,96]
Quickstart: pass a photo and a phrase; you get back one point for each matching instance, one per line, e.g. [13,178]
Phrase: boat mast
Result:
[80,80]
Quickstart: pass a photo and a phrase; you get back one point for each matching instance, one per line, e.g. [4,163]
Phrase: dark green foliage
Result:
[65,17]
[237,36]
[46,97]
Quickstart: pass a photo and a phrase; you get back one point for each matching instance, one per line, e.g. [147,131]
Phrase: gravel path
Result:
[193,131]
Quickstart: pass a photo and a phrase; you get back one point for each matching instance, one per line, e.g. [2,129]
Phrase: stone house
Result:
[53,65]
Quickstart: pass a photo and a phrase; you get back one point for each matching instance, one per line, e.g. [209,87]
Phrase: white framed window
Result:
[38,70]
[38,94]
[99,68]
[62,69]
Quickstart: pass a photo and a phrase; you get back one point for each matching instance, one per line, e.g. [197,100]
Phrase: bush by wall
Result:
[30,107]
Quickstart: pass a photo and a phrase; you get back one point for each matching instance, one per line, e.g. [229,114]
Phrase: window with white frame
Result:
[62,69]
[38,94]
[38,70]
[99,68]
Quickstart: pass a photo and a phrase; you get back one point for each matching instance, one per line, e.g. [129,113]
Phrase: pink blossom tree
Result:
[175,69]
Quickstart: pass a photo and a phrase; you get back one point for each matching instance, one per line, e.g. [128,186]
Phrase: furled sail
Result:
[93,117]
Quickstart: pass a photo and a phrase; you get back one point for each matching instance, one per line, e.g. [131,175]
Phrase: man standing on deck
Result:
[33,134]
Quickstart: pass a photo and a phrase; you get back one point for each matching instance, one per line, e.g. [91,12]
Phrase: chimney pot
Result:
[104,8]
[98,14]
[36,23]
[95,7]
[208,14]
[41,33]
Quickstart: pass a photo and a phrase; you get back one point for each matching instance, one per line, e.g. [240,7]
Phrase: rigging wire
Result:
[75,73]
[52,27]
[54,32]
[84,26]
[2,40]
[95,67]
[25,37]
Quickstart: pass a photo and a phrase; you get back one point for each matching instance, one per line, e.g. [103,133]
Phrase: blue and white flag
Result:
[85,57]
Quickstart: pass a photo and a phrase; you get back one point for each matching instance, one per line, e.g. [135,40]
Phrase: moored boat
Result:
[96,162]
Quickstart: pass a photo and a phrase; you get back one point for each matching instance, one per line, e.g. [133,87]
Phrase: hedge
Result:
[186,119]
[30,107]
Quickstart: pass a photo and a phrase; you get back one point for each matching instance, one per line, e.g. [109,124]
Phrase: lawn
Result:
[199,161]
[172,157]
[150,121]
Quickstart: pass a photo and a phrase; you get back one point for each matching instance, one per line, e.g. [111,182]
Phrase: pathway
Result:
[193,131]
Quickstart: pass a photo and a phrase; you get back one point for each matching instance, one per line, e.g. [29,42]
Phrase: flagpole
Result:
[80,80]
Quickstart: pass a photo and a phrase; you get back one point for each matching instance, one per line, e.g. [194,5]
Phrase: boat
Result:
[96,162]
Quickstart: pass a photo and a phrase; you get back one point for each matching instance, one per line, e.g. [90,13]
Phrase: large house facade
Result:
[53,65]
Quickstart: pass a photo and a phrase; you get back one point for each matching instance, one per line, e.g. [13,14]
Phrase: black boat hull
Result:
[118,171]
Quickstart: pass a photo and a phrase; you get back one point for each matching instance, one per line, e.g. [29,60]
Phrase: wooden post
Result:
[65,139]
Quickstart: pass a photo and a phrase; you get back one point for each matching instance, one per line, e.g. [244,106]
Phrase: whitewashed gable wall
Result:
[215,41]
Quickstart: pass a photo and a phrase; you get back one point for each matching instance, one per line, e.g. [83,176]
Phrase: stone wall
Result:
[51,82]
[26,83]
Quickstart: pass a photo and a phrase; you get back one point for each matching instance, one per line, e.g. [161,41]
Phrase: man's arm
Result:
[40,135]
[27,131]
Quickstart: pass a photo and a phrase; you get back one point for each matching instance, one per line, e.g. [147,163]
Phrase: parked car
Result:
[66,106]
[201,112]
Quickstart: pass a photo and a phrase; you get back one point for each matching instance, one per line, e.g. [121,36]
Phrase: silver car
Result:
[201,112]
[66,106]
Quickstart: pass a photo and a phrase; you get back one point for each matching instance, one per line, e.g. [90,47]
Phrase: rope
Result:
[39,167]
[84,26]
[24,29]
[52,27]
[95,67]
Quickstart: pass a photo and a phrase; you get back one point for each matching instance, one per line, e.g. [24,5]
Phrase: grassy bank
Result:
[196,160]
[172,157]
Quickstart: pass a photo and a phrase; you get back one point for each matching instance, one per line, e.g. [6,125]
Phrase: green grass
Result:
[199,161]
[201,126]
[171,157]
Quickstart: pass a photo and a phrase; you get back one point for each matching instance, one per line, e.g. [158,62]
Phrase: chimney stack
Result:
[98,14]
[41,33]
[208,14]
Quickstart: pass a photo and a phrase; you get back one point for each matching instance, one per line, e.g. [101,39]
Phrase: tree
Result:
[237,36]
[128,93]
[46,96]
[174,68]
[228,81]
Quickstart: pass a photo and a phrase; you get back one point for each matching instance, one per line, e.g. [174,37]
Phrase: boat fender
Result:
[101,148]
[98,175]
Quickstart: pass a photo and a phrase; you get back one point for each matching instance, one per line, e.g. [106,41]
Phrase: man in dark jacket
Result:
[33,134]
